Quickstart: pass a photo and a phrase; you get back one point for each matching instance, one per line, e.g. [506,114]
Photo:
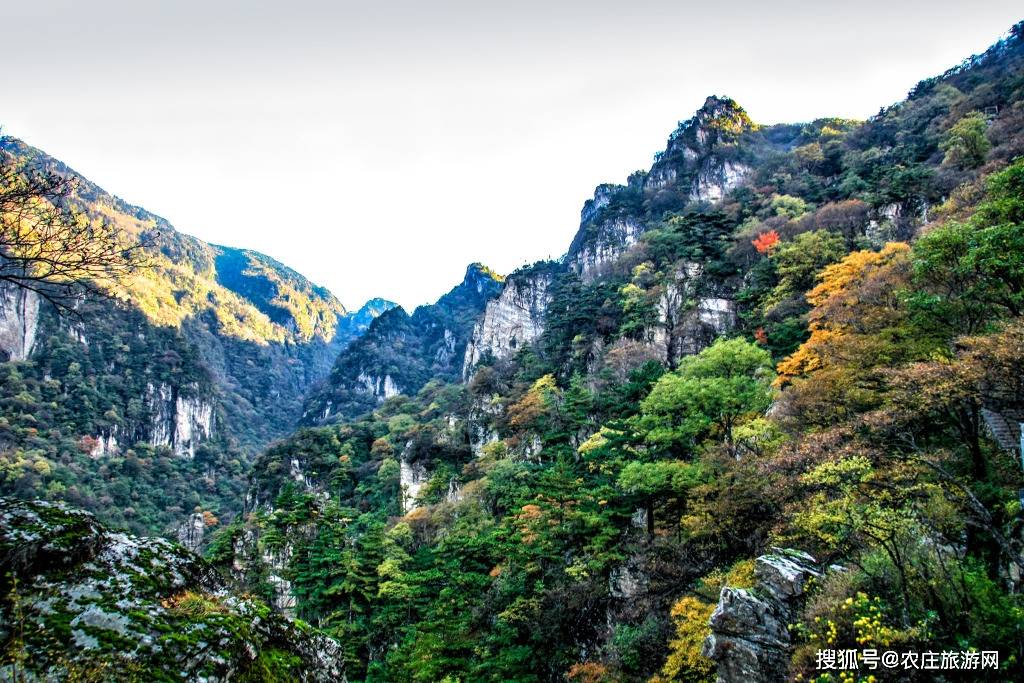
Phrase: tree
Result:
[854,300]
[797,261]
[973,271]
[788,206]
[653,481]
[765,241]
[47,246]
[849,218]
[709,393]
[965,144]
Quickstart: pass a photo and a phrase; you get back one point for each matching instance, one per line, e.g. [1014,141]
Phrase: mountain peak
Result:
[720,105]
[376,306]
[479,276]
[718,119]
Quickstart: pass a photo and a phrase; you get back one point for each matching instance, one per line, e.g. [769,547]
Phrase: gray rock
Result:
[513,320]
[750,640]
[784,575]
[140,602]
[19,319]
[742,614]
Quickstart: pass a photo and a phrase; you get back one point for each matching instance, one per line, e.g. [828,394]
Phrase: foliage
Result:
[710,392]
[965,143]
[765,241]
[582,501]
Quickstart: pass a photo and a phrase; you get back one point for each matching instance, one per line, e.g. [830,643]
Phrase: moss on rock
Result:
[83,603]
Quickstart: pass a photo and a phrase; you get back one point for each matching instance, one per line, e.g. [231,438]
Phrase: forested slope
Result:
[799,336]
[146,406]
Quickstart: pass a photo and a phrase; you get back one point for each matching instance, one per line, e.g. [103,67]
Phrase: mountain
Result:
[399,353]
[150,404]
[766,401]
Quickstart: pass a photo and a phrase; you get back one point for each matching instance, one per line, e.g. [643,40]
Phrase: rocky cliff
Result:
[750,640]
[706,157]
[179,421]
[703,159]
[512,320]
[610,223]
[399,353]
[19,318]
[693,310]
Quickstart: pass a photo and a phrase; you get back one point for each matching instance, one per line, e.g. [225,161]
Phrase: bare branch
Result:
[50,247]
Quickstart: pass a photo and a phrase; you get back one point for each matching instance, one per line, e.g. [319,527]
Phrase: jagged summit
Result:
[400,352]
[706,156]
[479,277]
[718,119]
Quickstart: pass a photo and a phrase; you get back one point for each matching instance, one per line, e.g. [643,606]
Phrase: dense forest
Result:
[768,404]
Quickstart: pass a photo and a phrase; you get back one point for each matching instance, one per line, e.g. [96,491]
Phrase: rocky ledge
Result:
[750,640]
[79,602]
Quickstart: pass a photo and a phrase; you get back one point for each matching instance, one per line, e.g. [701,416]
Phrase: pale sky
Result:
[378,147]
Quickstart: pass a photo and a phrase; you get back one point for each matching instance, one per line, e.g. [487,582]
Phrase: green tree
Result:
[798,261]
[965,143]
[707,395]
[652,482]
[973,271]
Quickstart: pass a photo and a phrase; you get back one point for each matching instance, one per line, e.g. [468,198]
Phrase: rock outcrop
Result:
[613,236]
[381,387]
[691,315]
[610,223]
[701,162]
[191,532]
[104,445]
[412,477]
[178,421]
[715,178]
[90,602]
[750,640]
[19,319]
[513,320]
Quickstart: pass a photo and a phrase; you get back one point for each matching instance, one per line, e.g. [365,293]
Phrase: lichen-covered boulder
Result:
[750,639]
[82,603]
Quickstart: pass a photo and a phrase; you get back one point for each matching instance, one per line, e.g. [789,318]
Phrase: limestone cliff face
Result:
[253,560]
[191,532]
[609,225]
[179,418]
[614,236]
[413,475]
[380,387]
[513,320]
[178,421]
[716,177]
[692,313]
[19,319]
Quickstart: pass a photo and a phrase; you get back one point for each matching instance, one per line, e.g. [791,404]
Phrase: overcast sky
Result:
[378,147]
